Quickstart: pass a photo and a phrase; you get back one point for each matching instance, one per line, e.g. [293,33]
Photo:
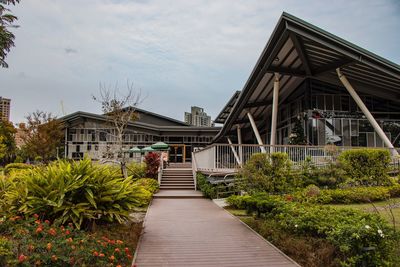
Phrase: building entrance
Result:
[177,153]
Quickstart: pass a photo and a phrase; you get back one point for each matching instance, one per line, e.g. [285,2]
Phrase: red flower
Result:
[127,250]
[22,258]
[101,255]
[39,230]
[69,240]
[95,254]
[37,221]
[129,256]
[119,242]
[117,250]
[36,216]
[47,221]
[119,265]
[67,232]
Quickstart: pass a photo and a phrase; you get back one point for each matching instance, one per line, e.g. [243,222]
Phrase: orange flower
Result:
[129,256]
[112,258]
[119,265]
[22,258]
[52,232]
[37,221]
[49,246]
[39,230]
[54,258]
[119,242]
[31,248]
[101,255]
[95,253]
[117,250]
[69,240]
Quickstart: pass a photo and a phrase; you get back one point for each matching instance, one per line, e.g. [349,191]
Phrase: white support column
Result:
[255,130]
[234,152]
[274,118]
[366,112]
[275,98]
[239,136]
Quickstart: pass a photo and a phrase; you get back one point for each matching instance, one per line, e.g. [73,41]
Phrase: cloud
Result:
[180,53]
[70,51]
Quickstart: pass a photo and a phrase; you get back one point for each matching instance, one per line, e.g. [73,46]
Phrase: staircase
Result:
[175,178]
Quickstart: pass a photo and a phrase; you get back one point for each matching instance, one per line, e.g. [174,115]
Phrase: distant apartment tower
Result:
[5,108]
[198,117]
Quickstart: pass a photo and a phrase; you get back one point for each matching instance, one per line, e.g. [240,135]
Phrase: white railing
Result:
[224,158]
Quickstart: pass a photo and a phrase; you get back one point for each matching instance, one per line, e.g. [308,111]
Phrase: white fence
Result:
[226,158]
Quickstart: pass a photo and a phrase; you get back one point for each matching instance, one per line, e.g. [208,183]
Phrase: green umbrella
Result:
[160,146]
[147,149]
[134,150]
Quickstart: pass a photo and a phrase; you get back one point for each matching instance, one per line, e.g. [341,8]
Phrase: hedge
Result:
[350,231]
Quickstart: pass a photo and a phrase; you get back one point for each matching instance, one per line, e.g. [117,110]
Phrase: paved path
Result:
[196,232]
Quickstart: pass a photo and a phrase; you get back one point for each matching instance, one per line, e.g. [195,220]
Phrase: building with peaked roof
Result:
[340,93]
[92,134]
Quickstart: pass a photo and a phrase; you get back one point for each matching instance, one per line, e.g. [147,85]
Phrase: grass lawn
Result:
[382,207]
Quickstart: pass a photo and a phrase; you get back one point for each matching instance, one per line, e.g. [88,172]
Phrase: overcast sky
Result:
[178,53]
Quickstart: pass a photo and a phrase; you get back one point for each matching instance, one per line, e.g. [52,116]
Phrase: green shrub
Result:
[6,253]
[366,166]
[78,192]
[16,166]
[35,242]
[136,170]
[149,184]
[268,173]
[208,190]
[350,231]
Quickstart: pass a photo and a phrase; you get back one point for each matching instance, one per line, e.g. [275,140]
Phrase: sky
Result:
[176,53]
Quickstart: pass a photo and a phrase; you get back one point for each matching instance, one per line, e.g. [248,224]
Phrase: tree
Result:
[120,110]
[7,142]
[6,37]
[43,136]
[297,136]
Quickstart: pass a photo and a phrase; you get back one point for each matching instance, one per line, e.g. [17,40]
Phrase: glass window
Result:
[345,106]
[329,102]
[336,102]
[362,139]
[320,102]
[354,127]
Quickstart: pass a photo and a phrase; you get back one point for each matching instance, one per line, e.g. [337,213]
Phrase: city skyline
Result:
[178,54]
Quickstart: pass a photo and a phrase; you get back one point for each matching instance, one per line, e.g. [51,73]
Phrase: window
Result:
[89,147]
[103,136]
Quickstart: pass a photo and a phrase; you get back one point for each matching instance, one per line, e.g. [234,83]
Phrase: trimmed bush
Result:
[366,166]
[79,192]
[348,195]
[360,238]
[208,190]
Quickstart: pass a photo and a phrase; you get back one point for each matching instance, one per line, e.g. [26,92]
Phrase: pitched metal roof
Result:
[298,50]
[223,115]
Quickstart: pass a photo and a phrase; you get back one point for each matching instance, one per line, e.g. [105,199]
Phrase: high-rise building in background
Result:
[198,117]
[5,108]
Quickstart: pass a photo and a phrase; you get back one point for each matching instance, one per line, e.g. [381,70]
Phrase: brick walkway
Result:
[196,232]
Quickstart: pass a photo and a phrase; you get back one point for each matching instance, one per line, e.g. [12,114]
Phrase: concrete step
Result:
[177,187]
[177,182]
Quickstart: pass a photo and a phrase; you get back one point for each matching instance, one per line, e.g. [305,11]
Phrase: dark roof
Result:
[227,108]
[298,50]
[154,118]
[155,129]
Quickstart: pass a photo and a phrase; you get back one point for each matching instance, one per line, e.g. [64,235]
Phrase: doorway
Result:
[177,153]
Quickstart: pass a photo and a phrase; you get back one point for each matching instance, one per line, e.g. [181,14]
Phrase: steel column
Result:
[255,130]
[239,136]
[366,112]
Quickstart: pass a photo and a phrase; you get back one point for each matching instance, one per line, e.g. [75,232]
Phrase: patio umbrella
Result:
[147,149]
[134,150]
[160,146]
